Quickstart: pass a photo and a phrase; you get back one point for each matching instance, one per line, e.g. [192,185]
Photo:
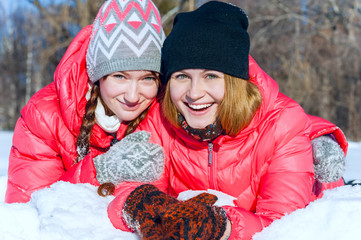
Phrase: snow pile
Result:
[63,211]
[75,212]
[337,215]
[66,211]
[223,199]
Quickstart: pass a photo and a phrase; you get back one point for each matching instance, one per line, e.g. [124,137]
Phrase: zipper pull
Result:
[210,149]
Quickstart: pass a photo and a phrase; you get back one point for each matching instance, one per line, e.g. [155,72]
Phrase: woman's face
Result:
[128,93]
[197,93]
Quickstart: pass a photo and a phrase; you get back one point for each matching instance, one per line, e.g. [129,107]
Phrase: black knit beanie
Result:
[212,37]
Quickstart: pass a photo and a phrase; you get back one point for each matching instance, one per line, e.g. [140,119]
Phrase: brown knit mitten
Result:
[156,215]
[195,218]
[142,210]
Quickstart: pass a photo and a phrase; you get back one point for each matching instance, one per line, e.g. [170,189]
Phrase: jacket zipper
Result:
[210,149]
[211,166]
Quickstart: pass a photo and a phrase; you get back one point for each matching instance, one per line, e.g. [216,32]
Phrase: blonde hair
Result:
[240,103]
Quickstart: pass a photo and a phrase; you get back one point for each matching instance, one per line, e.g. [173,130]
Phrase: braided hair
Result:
[83,140]
[88,122]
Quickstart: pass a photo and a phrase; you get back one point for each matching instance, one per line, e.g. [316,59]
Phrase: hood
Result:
[269,90]
[71,80]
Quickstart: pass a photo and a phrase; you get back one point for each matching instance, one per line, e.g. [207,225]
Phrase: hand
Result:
[133,159]
[155,215]
[328,159]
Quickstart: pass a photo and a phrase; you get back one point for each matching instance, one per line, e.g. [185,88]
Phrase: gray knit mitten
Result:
[328,159]
[133,159]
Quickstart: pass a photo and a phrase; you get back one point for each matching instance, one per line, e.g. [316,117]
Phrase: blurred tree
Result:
[12,68]
[310,47]
[58,25]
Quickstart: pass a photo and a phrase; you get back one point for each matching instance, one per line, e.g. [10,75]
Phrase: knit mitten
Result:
[195,218]
[155,215]
[142,210]
[328,159]
[133,159]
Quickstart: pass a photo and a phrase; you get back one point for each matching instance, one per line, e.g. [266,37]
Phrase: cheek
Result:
[219,91]
[175,91]
[150,92]
[219,97]
[108,94]
[109,90]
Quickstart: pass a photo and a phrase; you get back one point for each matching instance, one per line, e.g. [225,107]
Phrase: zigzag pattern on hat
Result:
[138,26]
[138,43]
[145,8]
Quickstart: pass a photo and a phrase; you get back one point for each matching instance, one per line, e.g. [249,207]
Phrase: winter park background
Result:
[68,211]
[75,212]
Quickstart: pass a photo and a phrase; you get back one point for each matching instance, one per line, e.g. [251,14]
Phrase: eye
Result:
[211,76]
[180,76]
[150,78]
[117,75]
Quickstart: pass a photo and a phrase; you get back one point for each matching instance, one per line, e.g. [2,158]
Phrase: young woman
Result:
[232,131]
[103,88]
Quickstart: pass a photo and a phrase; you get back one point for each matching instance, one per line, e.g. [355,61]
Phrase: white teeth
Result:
[199,106]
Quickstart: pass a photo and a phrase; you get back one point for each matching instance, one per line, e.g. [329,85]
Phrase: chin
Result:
[198,126]
[128,118]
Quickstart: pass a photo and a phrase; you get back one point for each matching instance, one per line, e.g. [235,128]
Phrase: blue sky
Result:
[11,5]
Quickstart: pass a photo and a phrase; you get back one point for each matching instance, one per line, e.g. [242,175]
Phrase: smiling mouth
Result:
[129,105]
[199,107]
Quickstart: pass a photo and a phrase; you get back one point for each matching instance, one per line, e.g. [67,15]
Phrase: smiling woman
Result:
[197,94]
[102,91]
[128,93]
[232,131]
[233,100]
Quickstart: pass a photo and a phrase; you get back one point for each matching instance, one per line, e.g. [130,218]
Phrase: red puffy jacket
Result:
[44,140]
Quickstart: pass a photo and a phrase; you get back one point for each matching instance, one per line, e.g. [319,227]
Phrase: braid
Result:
[83,139]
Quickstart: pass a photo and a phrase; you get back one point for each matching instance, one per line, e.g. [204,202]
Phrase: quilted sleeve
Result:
[34,162]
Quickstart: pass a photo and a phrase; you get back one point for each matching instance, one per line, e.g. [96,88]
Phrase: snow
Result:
[63,211]
[68,211]
[337,215]
[353,161]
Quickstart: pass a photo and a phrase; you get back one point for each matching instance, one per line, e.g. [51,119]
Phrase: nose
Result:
[196,89]
[132,93]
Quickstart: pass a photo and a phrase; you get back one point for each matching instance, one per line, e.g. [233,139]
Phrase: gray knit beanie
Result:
[127,35]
